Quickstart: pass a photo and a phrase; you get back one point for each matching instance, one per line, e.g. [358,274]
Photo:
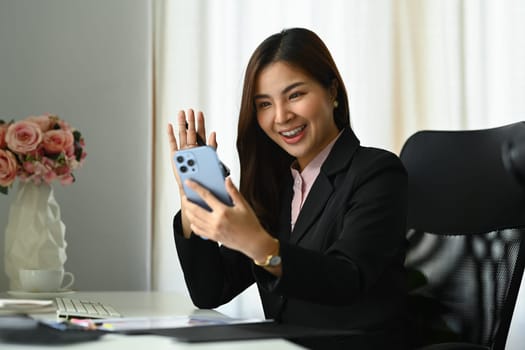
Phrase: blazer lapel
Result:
[285,218]
[323,188]
[314,205]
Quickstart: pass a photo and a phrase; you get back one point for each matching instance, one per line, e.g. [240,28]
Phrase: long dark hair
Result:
[265,165]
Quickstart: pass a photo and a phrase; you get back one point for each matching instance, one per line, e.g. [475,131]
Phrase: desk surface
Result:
[139,304]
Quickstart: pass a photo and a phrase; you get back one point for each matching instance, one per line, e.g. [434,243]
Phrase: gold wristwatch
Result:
[272,260]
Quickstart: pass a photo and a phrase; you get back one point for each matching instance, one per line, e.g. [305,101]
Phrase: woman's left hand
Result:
[236,227]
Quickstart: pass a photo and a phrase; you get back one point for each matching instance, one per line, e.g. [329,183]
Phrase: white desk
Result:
[137,304]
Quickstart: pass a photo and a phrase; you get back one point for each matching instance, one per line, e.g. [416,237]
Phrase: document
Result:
[139,324]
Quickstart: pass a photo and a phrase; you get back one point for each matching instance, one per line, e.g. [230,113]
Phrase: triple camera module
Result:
[186,164]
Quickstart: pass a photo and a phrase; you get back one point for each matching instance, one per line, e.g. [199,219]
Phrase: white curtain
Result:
[408,65]
[458,64]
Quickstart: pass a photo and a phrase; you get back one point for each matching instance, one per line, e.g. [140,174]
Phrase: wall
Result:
[90,63]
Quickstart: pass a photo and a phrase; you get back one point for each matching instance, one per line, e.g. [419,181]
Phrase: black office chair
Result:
[466,221]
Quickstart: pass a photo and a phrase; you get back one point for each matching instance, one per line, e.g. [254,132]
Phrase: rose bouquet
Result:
[40,149]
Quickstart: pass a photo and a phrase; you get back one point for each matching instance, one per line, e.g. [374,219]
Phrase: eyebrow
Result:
[285,90]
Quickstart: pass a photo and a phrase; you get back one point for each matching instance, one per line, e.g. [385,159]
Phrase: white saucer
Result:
[39,295]
[24,304]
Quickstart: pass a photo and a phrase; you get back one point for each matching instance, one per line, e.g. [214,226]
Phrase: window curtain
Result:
[407,65]
[457,64]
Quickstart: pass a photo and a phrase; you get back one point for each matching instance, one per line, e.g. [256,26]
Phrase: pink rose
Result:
[45,122]
[67,179]
[3,130]
[40,149]
[49,176]
[63,124]
[29,167]
[57,141]
[23,137]
[8,167]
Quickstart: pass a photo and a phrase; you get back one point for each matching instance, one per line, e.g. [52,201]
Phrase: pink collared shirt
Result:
[302,182]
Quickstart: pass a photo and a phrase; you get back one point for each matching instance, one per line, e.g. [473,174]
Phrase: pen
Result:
[89,324]
[84,323]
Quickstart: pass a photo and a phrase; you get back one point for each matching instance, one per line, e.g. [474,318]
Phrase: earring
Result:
[336,104]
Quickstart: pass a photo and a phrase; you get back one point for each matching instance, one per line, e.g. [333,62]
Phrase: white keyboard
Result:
[75,308]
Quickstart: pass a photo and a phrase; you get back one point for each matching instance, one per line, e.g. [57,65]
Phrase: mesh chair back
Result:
[466,217]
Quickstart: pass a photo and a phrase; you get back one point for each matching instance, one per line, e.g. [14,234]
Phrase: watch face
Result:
[275,261]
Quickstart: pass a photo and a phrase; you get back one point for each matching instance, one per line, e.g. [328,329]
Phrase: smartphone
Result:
[202,165]
[200,142]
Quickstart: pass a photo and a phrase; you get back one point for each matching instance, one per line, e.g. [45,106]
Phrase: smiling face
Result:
[295,111]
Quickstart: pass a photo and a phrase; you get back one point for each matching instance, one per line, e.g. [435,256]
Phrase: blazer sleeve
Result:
[213,274]
[361,248]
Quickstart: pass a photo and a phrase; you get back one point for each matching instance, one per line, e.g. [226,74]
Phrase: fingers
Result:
[181,122]
[191,128]
[233,192]
[187,133]
[205,194]
[191,131]
[212,140]
[212,201]
[201,127]
[195,214]
[172,140]
[173,148]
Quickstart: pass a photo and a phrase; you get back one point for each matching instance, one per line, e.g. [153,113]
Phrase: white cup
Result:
[44,280]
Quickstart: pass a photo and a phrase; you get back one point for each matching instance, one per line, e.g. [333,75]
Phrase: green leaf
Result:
[3,189]
[78,153]
[77,135]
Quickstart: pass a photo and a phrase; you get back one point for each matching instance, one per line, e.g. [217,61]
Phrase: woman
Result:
[319,221]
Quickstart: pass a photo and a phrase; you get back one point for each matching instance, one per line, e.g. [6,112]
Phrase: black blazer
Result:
[342,266]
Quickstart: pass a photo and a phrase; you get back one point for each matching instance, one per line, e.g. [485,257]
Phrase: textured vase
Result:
[35,233]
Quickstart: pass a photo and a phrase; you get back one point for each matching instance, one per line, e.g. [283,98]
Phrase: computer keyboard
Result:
[75,308]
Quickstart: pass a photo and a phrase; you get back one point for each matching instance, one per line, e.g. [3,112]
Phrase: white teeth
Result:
[293,132]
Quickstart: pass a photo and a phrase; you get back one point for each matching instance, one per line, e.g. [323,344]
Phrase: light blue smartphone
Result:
[202,165]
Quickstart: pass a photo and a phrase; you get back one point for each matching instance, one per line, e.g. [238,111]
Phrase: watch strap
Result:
[271,259]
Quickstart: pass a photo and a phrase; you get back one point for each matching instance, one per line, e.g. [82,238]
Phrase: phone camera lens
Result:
[180,159]
[183,169]
[191,162]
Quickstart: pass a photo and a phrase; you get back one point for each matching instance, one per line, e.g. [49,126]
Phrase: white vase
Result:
[35,233]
